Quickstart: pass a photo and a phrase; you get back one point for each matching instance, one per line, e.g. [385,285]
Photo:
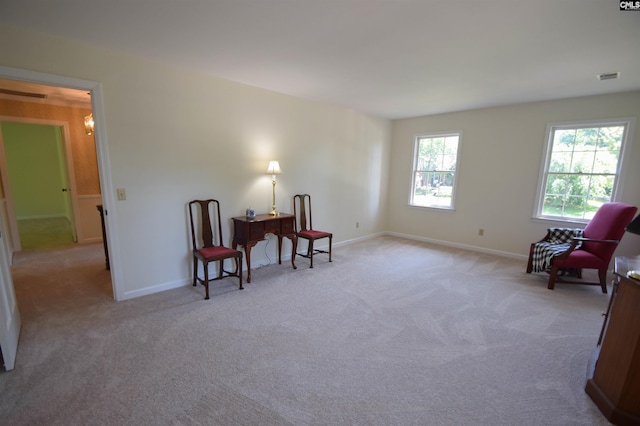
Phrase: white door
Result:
[9,315]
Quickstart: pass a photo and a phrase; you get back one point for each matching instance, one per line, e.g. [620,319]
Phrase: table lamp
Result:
[274,169]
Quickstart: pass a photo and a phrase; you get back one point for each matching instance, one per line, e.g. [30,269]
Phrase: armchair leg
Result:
[552,277]
[602,273]
[530,262]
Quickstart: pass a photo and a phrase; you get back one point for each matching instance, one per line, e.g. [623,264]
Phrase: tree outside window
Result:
[434,171]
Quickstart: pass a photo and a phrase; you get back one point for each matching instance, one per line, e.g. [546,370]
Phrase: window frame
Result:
[414,165]
[629,127]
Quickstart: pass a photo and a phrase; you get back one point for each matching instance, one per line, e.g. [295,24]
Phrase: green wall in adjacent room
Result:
[34,161]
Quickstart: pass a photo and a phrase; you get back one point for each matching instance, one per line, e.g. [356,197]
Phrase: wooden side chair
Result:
[304,227]
[206,243]
[567,251]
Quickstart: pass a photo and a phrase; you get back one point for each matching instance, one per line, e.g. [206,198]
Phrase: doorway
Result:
[37,182]
[55,86]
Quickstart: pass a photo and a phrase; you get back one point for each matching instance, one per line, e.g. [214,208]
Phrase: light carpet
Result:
[392,332]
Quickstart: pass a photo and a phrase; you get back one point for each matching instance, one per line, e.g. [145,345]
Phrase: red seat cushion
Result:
[216,251]
[310,233]
[582,259]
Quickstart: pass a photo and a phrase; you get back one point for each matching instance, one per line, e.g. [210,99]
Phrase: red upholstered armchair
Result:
[568,251]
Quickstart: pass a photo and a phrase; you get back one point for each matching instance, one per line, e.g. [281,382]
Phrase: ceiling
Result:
[387,58]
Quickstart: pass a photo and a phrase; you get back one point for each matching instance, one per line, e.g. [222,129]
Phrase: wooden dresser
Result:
[614,379]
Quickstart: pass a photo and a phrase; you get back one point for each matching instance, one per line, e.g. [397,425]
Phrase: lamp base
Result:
[274,212]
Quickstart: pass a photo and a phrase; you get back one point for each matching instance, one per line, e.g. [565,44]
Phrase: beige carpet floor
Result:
[392,332]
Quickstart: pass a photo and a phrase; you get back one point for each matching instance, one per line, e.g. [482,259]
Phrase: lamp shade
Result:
[274,168]
[634,226]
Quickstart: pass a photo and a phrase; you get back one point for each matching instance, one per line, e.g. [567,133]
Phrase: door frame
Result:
[9,314]
[70,172]
[102,154]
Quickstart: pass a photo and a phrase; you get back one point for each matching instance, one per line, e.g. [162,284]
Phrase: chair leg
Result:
[330,238]
[552,277]
[239,270]
[195,270]
[206,280]
[310,252]
[602,273]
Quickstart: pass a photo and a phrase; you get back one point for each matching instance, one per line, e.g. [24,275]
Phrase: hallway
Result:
[47,233]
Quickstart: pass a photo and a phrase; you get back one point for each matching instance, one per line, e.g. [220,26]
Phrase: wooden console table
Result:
[248,232]
[614,385]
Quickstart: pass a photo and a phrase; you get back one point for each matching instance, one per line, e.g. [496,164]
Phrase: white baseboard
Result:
[156,289]
[460,246]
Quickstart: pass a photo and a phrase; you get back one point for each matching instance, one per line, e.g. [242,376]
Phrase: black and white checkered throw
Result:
[558,240]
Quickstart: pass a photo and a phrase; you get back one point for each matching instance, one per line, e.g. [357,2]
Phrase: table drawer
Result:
[256,231]
[272,227]
[287,225]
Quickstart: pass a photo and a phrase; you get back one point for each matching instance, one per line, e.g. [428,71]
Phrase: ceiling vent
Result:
[609,76]
[25,94]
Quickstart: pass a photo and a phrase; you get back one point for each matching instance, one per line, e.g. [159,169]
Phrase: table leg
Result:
[247,252]
[294,249]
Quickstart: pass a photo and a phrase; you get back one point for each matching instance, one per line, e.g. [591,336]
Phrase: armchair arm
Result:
[593,240]
[578,241]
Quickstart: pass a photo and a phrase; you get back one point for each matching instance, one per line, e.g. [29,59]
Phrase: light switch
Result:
[121,194]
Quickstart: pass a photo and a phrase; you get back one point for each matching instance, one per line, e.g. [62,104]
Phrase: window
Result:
[435,162]
[582,166]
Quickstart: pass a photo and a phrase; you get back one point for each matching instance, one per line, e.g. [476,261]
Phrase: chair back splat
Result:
[566,252]
[206,243]
[304,227]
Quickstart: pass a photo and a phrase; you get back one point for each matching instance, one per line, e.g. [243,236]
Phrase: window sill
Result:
[559,223]
[435,208]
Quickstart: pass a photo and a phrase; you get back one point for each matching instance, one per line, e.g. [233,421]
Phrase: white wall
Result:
[175,135]
[501,153]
